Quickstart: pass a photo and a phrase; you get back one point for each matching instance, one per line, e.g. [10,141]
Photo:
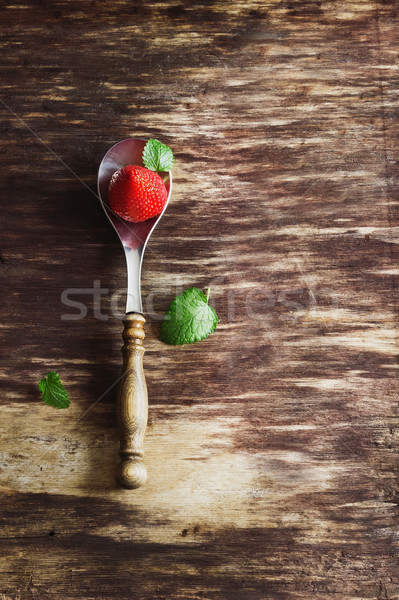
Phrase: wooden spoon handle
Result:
[132,405]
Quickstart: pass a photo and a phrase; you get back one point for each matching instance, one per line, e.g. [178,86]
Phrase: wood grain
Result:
[132,405]
[272,446]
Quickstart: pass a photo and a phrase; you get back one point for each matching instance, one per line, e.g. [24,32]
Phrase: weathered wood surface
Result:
[272,447]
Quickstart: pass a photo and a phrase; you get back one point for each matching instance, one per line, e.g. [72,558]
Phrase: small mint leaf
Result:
[157,156]
[189,319]
[53,392]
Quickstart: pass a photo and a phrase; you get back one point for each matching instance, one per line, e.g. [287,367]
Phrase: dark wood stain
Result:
[272,446]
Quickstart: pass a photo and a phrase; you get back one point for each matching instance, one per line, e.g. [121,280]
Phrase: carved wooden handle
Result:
[132,405]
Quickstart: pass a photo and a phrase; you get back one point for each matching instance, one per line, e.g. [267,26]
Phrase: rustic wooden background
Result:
[272,447]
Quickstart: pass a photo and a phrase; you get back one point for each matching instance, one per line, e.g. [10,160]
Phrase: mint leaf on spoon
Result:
[157,156]
[189,319]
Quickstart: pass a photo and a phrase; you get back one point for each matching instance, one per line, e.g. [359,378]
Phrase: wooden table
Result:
[272,447]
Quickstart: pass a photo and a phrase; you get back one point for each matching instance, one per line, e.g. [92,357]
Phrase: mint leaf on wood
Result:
[53,392]
[189,319]
[157,156]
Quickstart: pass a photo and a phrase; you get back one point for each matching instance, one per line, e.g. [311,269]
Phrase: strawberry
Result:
[136,193]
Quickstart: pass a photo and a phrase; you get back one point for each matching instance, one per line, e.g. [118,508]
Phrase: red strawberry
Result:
[136,193]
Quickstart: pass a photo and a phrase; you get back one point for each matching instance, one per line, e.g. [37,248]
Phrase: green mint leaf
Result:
[189,319]
[53,391]
[157,156]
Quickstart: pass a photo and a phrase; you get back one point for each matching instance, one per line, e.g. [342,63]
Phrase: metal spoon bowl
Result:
[134,236]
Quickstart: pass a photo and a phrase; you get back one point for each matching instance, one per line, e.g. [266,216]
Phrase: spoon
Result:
[132,399]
